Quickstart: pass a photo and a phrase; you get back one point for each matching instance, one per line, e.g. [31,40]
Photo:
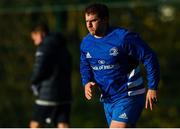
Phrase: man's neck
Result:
[103,32]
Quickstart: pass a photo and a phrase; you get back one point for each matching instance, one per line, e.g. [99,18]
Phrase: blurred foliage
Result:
[158,23]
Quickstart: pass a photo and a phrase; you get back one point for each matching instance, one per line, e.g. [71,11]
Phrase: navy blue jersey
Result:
[113,63]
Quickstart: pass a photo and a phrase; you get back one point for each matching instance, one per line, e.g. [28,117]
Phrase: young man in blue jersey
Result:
[110,59]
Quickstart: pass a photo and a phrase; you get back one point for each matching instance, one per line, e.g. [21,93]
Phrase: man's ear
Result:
[106,19]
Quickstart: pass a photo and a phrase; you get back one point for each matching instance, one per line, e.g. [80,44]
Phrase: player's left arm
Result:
[139,50]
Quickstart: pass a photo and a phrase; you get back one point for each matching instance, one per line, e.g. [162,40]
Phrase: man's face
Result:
[94,24]
[37,37]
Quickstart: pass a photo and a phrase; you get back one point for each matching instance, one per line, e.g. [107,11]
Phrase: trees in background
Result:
[158,24]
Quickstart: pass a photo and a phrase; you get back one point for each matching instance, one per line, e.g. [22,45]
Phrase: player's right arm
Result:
[86,74]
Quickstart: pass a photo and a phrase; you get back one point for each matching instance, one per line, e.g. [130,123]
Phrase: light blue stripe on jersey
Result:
[134,72]
[135,82]
[134,78]
[137,92]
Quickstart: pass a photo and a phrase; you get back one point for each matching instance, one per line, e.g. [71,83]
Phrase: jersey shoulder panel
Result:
[86,41]
[121,32]
[116,36]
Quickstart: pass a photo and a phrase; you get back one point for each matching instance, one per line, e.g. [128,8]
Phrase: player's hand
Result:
[88,91]
[151,99]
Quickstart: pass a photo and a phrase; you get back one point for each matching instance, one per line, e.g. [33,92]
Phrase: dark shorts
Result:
[51,114]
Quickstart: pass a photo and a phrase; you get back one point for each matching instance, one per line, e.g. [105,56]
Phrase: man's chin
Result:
[93,33]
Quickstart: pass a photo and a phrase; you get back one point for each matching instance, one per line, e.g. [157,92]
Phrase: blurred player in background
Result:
[110,59]
[51,78]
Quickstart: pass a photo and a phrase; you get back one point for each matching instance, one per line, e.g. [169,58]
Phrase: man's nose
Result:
[89,24]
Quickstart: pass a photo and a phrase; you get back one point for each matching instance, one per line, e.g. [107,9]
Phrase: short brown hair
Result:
[100,9]
[40,26]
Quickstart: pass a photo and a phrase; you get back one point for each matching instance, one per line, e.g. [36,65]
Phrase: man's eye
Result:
[95,19]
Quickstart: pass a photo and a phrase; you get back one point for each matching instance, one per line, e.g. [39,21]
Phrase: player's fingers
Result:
[155,100]
[88,90]
[88,96]
[151,104]
[89,93]
[147,102]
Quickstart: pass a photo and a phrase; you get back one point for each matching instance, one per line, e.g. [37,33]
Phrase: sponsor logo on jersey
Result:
[113,51]
[105,67]
[88,55]
[101,61]
[123,116]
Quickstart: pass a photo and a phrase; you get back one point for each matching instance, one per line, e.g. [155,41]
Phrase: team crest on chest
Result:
[113,51]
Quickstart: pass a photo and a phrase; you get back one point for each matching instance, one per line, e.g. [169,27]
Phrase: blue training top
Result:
[113,63]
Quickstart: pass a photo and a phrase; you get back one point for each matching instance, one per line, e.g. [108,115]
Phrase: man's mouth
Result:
[91,29]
